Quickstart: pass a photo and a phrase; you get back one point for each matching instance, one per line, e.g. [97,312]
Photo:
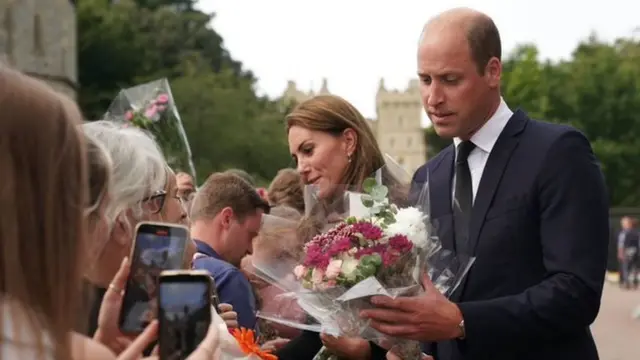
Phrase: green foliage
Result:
[376,200]
[597,91]
[135,41]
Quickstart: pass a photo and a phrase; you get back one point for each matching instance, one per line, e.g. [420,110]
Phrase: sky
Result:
[355,43]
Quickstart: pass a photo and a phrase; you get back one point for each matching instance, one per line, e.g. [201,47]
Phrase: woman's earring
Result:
[349,158]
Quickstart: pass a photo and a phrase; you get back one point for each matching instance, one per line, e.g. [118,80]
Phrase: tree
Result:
[227,124]
[597,91]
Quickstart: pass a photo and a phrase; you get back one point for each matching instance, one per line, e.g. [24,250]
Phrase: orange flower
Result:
[247,340]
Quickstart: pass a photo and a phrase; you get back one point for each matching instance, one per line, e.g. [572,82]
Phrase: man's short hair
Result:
[223,190]
[244,175]
[484,41]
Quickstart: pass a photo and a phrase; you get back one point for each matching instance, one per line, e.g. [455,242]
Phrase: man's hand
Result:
[347,347]
[429,317]
[229,316]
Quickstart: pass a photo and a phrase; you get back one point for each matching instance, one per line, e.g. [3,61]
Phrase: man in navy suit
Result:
[526,198]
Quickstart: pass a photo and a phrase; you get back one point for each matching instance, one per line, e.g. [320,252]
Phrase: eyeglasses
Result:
[157,200]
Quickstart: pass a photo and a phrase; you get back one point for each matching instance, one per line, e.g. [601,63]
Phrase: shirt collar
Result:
[485,138]
[205,249]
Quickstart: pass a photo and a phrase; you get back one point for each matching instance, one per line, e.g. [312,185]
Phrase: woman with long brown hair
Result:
[333,147]
[43,194]
[45,202]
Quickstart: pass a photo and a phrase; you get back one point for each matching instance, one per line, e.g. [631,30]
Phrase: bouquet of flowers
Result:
[150,107]
[380,248]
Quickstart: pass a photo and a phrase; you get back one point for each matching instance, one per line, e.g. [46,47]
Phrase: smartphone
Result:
[156,247]
[184,311]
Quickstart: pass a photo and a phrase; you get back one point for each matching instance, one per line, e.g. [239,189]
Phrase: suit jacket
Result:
[539,230]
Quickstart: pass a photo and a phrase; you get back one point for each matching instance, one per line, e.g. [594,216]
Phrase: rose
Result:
[300,271]
[334,269]
[349,266]
[317,276]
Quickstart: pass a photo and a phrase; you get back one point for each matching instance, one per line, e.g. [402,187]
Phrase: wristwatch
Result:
[462,330]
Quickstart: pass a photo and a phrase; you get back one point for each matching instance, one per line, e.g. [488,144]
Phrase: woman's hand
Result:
[136,348]
[229,316]
[347,347]
[275,344]
[207,350]
[108,332]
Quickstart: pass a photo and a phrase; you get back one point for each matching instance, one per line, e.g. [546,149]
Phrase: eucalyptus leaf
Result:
[368,185]
[380,192]
[367,202]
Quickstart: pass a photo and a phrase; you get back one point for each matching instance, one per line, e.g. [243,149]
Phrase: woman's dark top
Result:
[307,345]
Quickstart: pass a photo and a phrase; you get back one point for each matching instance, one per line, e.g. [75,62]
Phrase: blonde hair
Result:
[287,189]
[43,194]
[273,241]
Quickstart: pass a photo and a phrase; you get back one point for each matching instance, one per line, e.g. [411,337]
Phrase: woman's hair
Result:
[43,194]
[279,236]
[139,168]
[99,169]
[333,115]
[287,189]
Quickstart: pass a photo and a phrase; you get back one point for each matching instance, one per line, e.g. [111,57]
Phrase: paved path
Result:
[617,334]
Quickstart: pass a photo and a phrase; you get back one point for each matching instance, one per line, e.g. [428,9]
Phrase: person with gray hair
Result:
[143,187]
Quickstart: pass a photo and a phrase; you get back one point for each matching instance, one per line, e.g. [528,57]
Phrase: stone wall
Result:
[38,37]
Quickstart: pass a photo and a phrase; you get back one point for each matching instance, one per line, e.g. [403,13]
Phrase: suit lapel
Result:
[440,194]
[492,174]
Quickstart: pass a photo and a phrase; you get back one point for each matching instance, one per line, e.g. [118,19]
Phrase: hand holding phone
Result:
[156,247]
[185,301]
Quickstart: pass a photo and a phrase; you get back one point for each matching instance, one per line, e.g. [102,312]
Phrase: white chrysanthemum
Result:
[410,222]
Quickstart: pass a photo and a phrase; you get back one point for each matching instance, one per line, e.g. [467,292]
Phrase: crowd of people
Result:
[529,203]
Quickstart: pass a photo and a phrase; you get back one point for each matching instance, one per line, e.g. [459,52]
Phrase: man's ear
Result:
[226,215]
[350,138]
[493,72]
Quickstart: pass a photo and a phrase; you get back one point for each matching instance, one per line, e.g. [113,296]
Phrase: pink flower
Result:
[333,270]
[400,243]
[300,271]
[317,276]
[340,245]
[368,230]
[151,111]
[162,99]
[128,115]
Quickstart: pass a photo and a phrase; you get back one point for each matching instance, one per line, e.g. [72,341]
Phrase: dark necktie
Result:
[463,196]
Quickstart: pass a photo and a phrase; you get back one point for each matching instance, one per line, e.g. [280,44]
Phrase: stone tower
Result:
[398,126]
[38,37]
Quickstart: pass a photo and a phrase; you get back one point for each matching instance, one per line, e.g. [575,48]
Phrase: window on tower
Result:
[38,45]
[392,142]
[9,33]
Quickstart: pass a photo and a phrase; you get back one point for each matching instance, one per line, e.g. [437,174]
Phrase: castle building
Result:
[398,125]
[38,37]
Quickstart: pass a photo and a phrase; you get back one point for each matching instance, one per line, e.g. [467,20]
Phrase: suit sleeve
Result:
[574,234]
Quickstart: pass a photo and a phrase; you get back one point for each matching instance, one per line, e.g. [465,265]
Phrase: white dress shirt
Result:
[484,139]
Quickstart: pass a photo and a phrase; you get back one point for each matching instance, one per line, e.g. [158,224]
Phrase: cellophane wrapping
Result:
[375,243]
[151,107]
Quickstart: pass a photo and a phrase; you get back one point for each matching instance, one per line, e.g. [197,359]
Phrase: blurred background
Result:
[237,66]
